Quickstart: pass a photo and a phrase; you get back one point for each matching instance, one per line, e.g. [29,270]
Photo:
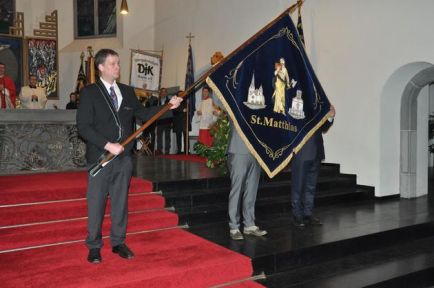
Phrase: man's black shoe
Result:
[312,221]
[298,222]
[123,251]
[94,256]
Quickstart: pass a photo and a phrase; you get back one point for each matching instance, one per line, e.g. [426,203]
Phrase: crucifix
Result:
[189,36]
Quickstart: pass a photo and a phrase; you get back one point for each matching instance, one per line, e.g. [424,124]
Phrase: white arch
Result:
[401,88]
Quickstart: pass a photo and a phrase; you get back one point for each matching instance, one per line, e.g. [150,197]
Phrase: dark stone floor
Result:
[158,169]
[364,242]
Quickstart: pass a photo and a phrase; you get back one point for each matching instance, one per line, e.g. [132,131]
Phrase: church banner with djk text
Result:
[272,94]
[145,70]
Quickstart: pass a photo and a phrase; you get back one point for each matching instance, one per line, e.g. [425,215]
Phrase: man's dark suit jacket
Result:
[98,122]
[180,118]
[166,121]
[314,147]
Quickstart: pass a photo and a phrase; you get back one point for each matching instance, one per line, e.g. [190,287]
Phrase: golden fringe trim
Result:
[264,166]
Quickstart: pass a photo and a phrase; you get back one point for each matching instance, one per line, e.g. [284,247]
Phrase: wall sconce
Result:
[124,7]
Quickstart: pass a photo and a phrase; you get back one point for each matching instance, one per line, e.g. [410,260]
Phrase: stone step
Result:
[210,211]
[403,265]
[417,279]
[224,181]
[355,235]
[203,196]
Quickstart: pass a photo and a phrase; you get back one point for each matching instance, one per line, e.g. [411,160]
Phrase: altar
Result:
[39,140]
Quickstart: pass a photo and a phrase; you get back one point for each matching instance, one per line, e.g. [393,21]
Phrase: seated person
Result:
[72,104]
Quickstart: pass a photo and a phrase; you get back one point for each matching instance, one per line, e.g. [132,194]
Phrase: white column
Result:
[422,154]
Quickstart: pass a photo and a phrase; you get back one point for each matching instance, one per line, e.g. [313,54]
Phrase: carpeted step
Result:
[23,214]
[76,229]
[40,187]
[171,258]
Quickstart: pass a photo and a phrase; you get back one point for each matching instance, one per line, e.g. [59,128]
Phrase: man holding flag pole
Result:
[104,120]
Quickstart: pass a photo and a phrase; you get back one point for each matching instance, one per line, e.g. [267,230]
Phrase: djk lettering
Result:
[145,69]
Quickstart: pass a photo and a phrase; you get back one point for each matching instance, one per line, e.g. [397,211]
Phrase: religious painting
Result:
[145,70]
[42,62]
[11,54]
[7,13]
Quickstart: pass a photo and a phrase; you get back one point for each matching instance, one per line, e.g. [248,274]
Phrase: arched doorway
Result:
[404,131]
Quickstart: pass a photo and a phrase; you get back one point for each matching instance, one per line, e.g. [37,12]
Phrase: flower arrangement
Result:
[216,155]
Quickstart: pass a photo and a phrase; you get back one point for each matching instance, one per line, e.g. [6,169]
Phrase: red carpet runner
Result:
[43,224]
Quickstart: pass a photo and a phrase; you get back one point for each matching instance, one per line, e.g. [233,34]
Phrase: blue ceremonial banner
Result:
[271,94]
[189,80]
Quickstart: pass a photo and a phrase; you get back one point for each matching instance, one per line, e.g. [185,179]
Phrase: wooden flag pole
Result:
[107,156]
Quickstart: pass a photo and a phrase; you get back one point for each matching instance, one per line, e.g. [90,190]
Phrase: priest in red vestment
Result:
[7,90]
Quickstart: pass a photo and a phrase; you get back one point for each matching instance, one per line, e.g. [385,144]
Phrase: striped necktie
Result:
[114,97]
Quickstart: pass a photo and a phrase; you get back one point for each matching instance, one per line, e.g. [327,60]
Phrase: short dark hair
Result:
[102,54]
[207,88]
[33,75]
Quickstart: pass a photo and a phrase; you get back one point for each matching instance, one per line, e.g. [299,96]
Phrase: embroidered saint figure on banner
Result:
[282,83]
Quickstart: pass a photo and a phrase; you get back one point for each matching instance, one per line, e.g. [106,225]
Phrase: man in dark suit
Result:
[104,119]
[304,175]
[164,126]
[151,102]
[180,124]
